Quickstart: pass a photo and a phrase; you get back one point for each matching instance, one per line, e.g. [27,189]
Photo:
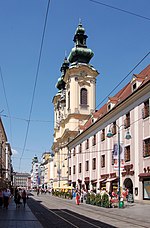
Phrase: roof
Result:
[143,77]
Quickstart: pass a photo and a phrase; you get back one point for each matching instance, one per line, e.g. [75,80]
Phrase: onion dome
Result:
[60,83]
[80,53]
[64,66]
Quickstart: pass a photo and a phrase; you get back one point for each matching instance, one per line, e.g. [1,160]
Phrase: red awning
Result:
[144,175]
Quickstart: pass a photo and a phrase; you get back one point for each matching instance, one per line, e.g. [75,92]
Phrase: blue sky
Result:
[119,41]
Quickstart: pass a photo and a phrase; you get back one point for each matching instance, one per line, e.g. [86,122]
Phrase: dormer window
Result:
[134,87]
[109,106]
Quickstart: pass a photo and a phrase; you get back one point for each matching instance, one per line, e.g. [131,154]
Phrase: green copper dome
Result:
[80,53]
[60,83]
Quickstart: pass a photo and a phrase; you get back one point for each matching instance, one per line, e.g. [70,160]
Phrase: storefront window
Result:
[146,189]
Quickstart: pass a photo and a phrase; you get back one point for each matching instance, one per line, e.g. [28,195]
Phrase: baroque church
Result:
[74,102]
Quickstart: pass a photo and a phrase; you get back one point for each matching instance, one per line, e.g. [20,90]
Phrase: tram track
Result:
[79,219]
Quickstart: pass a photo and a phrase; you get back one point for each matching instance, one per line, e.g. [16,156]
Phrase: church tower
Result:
[73,103]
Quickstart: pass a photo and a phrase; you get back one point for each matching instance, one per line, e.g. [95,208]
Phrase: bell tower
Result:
[74,101]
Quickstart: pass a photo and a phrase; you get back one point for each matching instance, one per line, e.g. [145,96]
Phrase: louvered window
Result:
[146,147]
[94,163]
[127,153]
[74,169]
[83,96]
[146,109]
[102,161]
[87,144]
[87,166]
[80,167]
[94,140]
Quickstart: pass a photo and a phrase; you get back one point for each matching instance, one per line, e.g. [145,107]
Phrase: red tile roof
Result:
[126,91]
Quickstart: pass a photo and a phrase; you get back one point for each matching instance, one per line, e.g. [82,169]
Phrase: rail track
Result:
[56,212]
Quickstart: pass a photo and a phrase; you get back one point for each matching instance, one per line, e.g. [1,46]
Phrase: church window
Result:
[83,96]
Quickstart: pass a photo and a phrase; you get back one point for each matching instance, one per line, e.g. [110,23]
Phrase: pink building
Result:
[93,156]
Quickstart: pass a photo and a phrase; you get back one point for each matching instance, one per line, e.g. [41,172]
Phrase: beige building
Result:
[73,103]
[45,175]
[5,159]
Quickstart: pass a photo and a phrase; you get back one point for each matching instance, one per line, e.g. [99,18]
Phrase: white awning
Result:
[111,179]
[101,180]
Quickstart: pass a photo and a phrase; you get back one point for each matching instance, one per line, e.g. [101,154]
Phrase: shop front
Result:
[102,181]
[145,178]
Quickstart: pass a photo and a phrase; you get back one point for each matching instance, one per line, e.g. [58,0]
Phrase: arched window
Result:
[83,96]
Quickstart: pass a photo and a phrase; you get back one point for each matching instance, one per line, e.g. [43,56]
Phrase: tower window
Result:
[83,96]
[69,100]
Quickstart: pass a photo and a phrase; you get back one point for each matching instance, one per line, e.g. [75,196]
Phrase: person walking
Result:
[24,197]
[6,197]
[17,198]
[1,197]
[77,198]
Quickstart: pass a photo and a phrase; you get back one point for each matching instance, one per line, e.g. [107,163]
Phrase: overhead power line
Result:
[121,10]
[124,79]
[36,77]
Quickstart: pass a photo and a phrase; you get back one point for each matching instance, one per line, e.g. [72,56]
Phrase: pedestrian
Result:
[6,197]
[77,198]
[38,191]
[24,197]
[17,198]
[1,197]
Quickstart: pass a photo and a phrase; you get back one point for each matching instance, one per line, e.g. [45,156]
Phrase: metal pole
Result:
[59,171]
[119,166]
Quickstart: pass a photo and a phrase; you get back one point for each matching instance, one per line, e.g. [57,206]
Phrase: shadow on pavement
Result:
[62,218]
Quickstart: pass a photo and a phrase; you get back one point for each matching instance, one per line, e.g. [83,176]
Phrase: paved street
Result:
[52,212]
[45,211]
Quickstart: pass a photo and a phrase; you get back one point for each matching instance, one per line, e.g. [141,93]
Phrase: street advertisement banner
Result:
[115,156]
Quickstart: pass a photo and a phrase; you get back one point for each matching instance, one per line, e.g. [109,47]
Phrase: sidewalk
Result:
[16,218]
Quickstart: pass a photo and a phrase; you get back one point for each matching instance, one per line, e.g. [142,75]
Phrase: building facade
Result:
[93,154]
[21,180]
[73,103]
[5,159]
[35,173]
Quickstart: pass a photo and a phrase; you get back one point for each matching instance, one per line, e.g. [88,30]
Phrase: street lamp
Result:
[128,136]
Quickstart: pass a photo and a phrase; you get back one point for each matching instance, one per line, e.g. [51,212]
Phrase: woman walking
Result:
[77,198]
[24,197]
[17,198]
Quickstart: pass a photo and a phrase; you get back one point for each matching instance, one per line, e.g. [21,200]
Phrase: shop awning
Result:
[101,180]
[112,179]
[94,182]
[144,175]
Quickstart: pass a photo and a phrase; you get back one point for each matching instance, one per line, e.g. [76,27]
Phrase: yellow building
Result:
[73,103]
